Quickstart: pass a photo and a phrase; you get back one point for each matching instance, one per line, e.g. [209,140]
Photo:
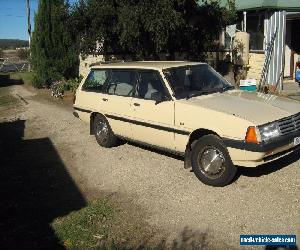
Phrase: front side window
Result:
[96,80]
[149,85]
[121,82]
[189,81]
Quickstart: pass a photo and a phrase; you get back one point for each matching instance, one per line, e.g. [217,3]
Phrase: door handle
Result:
[104,99]
[136,104]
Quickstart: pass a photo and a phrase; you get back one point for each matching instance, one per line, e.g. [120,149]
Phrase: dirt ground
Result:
[151,187]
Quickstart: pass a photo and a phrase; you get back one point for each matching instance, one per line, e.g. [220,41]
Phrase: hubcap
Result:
[211,161]
[102,131]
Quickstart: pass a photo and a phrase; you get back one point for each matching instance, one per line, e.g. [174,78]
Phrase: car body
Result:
[171,106]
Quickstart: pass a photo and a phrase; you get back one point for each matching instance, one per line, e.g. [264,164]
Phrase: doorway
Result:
[292,44]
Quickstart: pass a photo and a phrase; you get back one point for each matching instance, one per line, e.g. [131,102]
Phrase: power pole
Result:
[28,27]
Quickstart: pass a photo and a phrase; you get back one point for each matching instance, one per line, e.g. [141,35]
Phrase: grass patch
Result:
[26,77]
[7,100]
[86,228]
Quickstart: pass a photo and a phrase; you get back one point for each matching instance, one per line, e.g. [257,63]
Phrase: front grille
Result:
[289,124]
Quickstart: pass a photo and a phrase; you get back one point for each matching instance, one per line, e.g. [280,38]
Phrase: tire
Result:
[211,149]
[103,132]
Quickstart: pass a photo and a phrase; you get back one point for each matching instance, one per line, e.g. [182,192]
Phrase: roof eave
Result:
[269,8]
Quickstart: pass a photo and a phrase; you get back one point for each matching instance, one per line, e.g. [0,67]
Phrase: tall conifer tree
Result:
[53,48]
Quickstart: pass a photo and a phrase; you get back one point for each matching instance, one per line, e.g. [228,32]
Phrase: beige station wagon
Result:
[189,109]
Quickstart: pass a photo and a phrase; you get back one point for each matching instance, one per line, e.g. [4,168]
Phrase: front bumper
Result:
[252,155]
[262,147]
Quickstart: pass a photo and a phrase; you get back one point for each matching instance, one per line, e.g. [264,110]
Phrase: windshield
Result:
[190,81]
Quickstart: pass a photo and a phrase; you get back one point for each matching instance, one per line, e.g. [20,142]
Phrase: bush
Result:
[72,84]
[58,88]
[37,82]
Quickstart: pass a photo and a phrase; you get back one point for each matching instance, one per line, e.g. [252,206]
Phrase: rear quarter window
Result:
[96,80]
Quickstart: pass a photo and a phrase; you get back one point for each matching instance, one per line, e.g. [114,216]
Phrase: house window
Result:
[255,27]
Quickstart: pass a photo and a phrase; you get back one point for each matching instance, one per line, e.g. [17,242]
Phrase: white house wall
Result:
[85,63]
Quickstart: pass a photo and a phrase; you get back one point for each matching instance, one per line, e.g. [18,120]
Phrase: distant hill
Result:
[12,43]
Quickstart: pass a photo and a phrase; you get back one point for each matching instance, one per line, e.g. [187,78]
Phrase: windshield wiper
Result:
[199,93]
[228,87]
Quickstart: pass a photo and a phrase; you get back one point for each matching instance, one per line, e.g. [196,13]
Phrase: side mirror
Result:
[158,97]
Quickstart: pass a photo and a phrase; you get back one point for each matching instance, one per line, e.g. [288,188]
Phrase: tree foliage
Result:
[94,20]
[145,29]
[53,48]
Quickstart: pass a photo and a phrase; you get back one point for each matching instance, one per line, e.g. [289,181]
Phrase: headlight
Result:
[269,131]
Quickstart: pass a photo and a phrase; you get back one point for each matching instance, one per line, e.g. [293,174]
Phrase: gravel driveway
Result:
[260,201]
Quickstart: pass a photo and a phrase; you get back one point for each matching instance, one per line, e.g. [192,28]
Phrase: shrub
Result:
[59,87]
[72,84]
[37,82]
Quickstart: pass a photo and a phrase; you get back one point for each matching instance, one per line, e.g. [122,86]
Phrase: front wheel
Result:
[211,162]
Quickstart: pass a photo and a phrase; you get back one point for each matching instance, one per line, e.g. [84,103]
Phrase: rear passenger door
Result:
[152,111]
[119,89]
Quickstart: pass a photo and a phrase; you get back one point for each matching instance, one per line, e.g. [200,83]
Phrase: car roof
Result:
[158,65]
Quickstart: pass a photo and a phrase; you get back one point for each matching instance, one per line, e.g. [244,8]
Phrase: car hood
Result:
[255,107]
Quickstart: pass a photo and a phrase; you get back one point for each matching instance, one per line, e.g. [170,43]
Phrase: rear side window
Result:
[96,80]
[121,82]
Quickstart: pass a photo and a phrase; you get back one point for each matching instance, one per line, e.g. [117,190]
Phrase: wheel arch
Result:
[194,136]
[198,133]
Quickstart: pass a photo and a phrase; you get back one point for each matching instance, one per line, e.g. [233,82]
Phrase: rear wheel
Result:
[211,162]
[103,132]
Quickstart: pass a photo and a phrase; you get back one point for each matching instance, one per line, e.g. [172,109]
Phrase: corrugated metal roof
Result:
[263,4]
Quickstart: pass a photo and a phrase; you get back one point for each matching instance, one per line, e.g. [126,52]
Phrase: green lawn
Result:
[27,77]
[85,229]
[6,100]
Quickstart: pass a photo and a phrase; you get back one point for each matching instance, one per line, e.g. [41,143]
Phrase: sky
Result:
[13,19]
